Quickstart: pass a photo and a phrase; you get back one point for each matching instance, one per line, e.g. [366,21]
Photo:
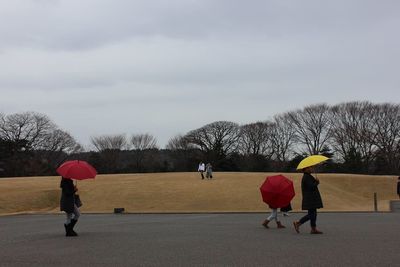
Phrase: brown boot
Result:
[265,223]
[280,225]
[314,231]
[296,226]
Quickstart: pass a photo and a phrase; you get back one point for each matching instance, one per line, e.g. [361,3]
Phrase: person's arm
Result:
[311,182]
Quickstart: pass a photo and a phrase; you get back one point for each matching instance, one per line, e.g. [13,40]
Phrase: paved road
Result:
[350,239]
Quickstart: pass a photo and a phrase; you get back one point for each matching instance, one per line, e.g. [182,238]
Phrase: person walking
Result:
[201,169]
[68,205]
[273,216]
[209,171]
[311,200]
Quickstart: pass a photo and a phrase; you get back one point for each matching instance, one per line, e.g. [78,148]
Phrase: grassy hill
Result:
[186,192]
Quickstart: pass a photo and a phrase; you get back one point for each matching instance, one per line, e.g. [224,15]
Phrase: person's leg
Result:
[313,222]
[304,219]
[202,175]
[77,214]
[69,218]
[68,225]
[313,218]
[272,216]
[278,223]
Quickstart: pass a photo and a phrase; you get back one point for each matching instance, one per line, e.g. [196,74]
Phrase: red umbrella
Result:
[277,191]
[77,169]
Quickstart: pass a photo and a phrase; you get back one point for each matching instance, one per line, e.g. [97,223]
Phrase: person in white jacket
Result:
[201,169]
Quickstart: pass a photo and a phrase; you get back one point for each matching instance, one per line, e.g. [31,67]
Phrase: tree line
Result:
[359,137]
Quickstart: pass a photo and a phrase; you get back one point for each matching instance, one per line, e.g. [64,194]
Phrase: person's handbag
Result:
[78,201]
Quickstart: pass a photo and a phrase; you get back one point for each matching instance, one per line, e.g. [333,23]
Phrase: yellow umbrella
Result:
[311,161]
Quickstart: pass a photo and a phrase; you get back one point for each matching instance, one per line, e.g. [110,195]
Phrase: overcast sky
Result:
[169,66]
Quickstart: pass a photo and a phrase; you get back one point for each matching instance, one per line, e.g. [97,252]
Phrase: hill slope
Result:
[186,192]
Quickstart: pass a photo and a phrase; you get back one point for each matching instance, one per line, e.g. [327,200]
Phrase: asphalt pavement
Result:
[349,239]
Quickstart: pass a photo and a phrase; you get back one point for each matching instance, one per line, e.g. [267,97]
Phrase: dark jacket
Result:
[287,208]
[67,200]
[311,196]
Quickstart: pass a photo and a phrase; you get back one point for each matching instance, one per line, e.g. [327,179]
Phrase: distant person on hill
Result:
[209,171]
[311,200]
[201,169]
[67,204]
[398,186]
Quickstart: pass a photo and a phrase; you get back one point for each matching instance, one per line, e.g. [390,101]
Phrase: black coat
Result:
[67,200]
[398,188]
[311,196]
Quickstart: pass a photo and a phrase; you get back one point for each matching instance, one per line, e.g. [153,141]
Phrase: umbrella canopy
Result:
[77,169]
[311,161]
[277,191]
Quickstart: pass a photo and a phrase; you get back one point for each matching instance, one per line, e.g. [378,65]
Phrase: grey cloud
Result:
[98,67]
[88,24]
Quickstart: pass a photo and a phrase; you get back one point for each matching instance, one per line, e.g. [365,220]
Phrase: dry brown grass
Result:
[186,192]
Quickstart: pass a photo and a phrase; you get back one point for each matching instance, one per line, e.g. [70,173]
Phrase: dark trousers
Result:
[312,216]
[202,175]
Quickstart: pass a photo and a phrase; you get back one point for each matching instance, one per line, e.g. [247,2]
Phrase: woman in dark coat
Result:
[311,201]
[67,204]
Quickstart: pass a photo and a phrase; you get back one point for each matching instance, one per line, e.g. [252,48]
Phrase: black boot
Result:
[72,224]
[68,230]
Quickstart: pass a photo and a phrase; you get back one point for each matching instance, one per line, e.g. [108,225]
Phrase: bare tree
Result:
[346,122]
[282,138]
[60,140]
[37,132]
[110,148]
[109,142]
[182,155]
[34,142]
[353,134]
[387,139]
[256,139]
[143,145]
[144,141]
[312,126]
[60,144]
[219,138]
[178,142]
[32,128]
